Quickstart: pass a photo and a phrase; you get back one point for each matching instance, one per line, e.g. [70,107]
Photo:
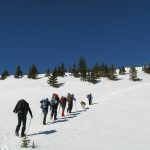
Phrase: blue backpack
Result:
[44,104]
[54,102]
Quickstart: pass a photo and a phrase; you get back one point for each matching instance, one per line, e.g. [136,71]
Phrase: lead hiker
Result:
[22,108]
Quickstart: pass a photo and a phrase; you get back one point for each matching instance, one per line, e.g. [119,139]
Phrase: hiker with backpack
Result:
[22,108]
[63,102]
[44,106]
[70,99]
[89,96]
[54,105]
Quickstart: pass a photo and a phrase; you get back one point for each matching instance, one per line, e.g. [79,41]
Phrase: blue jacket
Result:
[44,104]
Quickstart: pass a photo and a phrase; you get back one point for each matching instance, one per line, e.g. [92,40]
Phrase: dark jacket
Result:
[47,103]
[22,108]
[90,96]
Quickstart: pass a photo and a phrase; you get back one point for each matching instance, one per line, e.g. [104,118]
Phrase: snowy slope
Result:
[118,120]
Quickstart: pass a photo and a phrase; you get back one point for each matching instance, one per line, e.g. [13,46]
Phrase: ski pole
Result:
[29,126]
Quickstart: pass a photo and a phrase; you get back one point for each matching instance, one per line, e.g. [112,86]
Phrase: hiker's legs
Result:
[19,123]
[71,106]
[45,114]
[24,125]
[52,112]
[62,114]
[55,113]
[90,101]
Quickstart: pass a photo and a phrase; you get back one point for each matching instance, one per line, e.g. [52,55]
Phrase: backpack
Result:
[44,104]
[63,101]
[54,102]
[20,106]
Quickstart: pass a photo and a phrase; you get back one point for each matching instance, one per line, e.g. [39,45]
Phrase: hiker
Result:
[22,108]
[54,105]
[70,98]
[44,106]
[63,102]
[90,98]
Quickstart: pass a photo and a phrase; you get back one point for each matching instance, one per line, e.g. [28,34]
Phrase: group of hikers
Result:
[53,104]
[22,108]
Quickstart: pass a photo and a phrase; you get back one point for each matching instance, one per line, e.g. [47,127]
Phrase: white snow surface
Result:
[119,118]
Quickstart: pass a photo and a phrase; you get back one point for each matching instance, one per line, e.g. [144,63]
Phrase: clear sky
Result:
[49,32]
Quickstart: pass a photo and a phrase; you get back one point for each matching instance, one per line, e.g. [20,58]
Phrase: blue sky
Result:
[49,32]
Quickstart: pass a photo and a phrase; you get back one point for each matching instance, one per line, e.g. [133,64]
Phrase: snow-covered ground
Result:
[119,119]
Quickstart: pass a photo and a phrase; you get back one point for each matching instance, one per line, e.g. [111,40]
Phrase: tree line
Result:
[79,70]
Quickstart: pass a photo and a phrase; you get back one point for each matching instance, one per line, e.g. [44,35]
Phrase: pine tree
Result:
[62,70]
[52,80]
[82,68]
[47,73]
[25,142]
[30,73]
[75,71]
[18,73]
[146,68]
[55,71]
[112,73]
[133,74]
[91,77]
[58,71]
[103,70]
[113,69]
[5,74]
[96,71]
[33,72]
[122,70]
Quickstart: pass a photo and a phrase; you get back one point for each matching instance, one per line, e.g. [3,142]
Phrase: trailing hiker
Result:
[22,108]
[44,106]
[63,102]
[70,98]
[89,96]
[54,105]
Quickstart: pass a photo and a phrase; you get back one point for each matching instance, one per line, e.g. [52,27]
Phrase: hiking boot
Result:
[16,133]
[23,135]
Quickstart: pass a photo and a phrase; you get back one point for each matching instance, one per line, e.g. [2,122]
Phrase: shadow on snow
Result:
[43,132]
